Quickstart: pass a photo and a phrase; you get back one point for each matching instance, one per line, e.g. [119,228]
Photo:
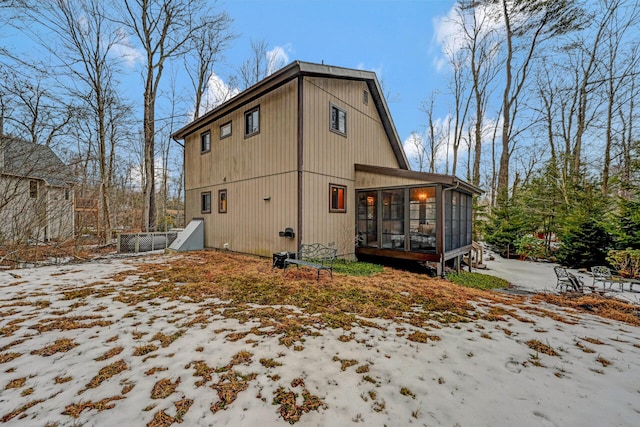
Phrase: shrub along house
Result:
[311,155]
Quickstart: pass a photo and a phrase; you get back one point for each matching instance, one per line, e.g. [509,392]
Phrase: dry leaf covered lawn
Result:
[221,327]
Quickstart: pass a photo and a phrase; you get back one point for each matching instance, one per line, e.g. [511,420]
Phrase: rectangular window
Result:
[205,142]
[205,202]
[33,189]
[66,194]
[393,235]
[225,130]
[368,219]
[337,195]
[222,201]
[365,97]
[422,219]
[252,122]
[338,120]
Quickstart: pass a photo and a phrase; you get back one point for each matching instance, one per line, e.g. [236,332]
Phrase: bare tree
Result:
[164,29]
[435,134]
[618,68]
[259,65]
[527,25]
[86,39]
[208,43]
[32,108]
[482,51]
[461,100]
[417,147]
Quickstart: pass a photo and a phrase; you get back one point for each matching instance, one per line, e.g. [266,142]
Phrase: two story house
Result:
[36,192]
[311,155]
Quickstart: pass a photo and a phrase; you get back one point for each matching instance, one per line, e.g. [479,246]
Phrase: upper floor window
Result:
[205,142]
[66,194]
[252,122]
[365,97]
[338,120]
[337,198]
[33,189]
[225,130]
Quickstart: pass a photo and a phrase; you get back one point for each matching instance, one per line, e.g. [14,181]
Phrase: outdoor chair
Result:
[576,283]
[603,275]
[570,282]
[562,278]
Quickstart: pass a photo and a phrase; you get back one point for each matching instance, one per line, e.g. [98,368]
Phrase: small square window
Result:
[222,201]
[365,97]
[338,120]
[205,202]
[225,130]
[205,142]
[252,122]
[337,198]
[33,189]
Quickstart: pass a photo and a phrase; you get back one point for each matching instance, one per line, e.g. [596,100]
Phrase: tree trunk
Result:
[149,190]
[503,172]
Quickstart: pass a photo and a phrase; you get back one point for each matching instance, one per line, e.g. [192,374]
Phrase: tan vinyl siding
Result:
[251,223]
[334,229]
[329,157]
[371,180]
[271,151]
[265,165]
[331,153]
[250,169]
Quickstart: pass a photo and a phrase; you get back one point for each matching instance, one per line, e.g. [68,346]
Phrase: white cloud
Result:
[444,134]
[136,175]
[277,58]
[218,91]
[419,144]
[449,32]
[377,70]
[124,50]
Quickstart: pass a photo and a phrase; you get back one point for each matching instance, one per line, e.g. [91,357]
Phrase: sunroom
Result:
[413,215]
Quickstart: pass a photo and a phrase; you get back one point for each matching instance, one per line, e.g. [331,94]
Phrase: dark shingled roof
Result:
[25,159]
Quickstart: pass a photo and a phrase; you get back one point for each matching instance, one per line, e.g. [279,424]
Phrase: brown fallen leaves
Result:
[106,373]
[289,410]
[61,345]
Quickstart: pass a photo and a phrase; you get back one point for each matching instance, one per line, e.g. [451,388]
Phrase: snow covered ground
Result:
[540,277]
[73,353]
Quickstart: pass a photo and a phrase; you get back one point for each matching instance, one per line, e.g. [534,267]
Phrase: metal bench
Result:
[567,281]
[562,279]
[603,275]
[315,256]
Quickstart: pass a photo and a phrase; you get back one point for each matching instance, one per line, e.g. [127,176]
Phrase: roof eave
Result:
[447,180]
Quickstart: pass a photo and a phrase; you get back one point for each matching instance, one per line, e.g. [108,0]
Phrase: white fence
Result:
[145,242]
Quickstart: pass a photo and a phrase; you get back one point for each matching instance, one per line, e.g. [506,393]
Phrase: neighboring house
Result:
[36,197]
[310,154]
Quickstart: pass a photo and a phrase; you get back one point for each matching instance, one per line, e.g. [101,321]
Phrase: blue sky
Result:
[394,38]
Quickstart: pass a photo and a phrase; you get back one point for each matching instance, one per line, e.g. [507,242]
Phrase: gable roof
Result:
[292,71]
[28,160]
